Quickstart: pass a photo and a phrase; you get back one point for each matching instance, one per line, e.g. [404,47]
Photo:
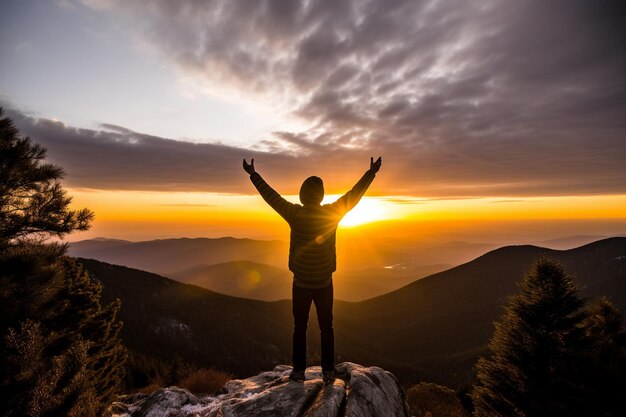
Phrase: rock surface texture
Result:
[357,392]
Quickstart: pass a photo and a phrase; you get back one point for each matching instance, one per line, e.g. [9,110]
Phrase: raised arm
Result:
[275,200]
[350,199]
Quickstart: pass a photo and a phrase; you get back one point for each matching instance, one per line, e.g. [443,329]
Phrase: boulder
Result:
[358,391]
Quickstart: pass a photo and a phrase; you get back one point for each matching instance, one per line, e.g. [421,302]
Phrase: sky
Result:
[499,112]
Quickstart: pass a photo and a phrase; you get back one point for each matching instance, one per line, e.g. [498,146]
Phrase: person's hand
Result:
[249,167]
[375,166]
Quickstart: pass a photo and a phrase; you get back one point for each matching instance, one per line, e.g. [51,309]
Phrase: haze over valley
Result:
[258,269]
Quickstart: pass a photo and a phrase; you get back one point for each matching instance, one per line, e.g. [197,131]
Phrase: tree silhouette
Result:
[60,353]
[606,363]
[533,364]
[33,203]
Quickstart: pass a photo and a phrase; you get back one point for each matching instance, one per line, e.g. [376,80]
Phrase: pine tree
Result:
[606,377]
[532,368]
[98,326]
[33,203]
[60,353]
[178,369]
[39,384]
[45,367]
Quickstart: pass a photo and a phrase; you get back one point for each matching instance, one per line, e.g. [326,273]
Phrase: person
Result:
[312,257]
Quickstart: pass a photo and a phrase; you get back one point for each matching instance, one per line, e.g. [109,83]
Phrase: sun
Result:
[368,210]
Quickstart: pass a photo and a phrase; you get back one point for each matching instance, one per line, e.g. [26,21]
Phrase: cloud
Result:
[414,71]
[462,98]
[502,93]
[116,158]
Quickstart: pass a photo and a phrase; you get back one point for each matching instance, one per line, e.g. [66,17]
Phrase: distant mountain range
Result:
[570,242]
[170,256]
[258,269]
[263,282]
[166,256]
[432,329]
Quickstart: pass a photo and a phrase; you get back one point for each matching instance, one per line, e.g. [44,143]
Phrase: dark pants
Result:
[301,304]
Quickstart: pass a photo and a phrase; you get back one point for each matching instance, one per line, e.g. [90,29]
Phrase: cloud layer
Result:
[115,158]
[460,97]
[404,70]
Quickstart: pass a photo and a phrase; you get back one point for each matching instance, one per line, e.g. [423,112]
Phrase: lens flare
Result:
[249,280]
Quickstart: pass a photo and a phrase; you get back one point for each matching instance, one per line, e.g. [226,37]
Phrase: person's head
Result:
[312,191]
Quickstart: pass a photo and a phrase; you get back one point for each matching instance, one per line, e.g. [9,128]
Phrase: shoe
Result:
[296,375]
[329,377]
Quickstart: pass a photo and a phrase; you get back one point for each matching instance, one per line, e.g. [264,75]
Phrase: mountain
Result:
[96,245]
[360,285]
[570,241]
[354,252]
[240,279]
[263,282]
[365,270]
[165,256]
[439,325]
[432,329]
[163,317]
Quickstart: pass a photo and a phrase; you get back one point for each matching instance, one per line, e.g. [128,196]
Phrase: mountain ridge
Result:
[249,279]
[431,329]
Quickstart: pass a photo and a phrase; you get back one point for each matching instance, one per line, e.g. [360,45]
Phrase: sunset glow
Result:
[369,209]
[151,125]
[183,182]
[145,215]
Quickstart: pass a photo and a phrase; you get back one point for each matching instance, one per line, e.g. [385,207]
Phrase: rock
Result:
[358,391]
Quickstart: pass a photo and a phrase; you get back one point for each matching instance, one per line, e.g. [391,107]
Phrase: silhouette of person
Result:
[312,257]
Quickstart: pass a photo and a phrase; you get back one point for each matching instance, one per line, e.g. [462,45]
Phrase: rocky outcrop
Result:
[358,391]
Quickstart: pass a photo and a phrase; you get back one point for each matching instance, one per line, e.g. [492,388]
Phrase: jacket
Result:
[312,253]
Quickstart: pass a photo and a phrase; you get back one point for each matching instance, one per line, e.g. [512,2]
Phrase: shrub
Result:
[205,381]
[432,400]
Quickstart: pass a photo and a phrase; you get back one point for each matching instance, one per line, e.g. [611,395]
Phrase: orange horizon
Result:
[143,215]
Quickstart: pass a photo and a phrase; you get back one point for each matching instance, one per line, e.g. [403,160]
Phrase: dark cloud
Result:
[517,97]
[492,84]
[116,158]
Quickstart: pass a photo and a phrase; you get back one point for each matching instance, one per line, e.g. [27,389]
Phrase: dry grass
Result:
[205,381]
[149,389]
